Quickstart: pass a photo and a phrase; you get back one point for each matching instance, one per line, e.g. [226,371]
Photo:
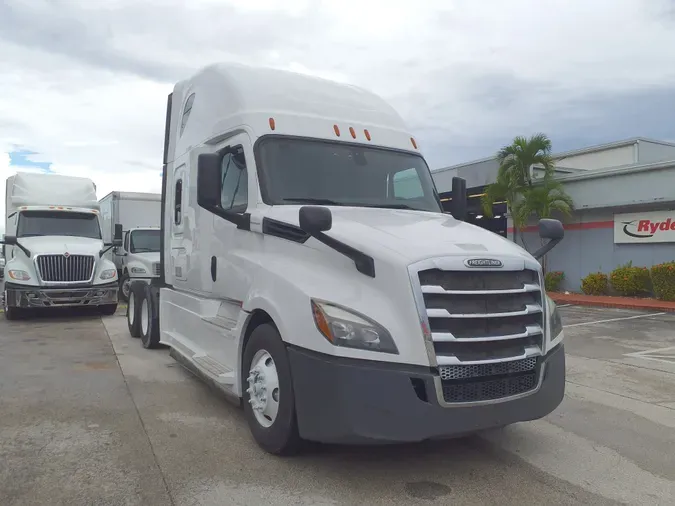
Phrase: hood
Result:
[415,235]
[55,244]
[148,256]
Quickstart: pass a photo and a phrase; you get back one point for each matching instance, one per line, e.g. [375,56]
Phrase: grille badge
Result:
[66,254]
[491,263]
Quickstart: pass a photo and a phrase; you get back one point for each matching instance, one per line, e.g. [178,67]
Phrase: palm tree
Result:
[518,158]
[513,176]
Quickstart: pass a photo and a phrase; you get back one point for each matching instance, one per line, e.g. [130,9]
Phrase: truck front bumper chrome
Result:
[38,296]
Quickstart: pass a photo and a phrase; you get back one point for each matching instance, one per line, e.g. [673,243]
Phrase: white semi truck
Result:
[53,246]
[138,214]
[306,281]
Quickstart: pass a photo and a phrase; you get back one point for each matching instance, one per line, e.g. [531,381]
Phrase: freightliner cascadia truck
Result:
[53,246]
[309,272]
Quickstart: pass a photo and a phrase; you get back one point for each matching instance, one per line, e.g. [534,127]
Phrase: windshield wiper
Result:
[309,200]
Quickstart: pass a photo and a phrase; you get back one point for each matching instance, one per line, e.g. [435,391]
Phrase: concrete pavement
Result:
[90,417]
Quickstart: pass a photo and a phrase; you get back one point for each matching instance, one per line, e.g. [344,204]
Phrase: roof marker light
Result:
[412,140]
[272,123]
[367,134]
[351,131]
[337,130]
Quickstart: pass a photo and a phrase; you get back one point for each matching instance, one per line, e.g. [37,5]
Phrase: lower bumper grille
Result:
[493,389]
[458,372]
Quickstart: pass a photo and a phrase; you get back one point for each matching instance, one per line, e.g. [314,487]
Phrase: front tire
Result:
[269,400]
[11,312]
[134,309]
[125,287]
[149,319]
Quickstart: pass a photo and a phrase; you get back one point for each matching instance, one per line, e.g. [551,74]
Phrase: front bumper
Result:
[40,296]
[354,401]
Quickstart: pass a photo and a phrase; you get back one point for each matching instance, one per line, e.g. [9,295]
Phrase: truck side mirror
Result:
[10,240]
[117,239]
[552,230]
[208,180]
[315,219]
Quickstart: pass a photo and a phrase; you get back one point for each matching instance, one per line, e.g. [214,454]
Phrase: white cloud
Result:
[85,83]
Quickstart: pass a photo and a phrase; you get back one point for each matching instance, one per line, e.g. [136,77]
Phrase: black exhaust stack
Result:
[459,199]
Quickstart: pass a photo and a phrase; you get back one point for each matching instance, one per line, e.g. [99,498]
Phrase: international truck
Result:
[138,214]
[54,250]
[312,282]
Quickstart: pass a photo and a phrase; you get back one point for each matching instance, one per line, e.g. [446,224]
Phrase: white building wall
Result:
[611,157]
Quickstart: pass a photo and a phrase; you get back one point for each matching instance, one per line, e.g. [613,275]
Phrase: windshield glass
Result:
[144,241]
[300,171]
[37,223]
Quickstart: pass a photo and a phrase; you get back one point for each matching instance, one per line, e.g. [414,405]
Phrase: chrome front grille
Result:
[487,330]
[65,269]
[156,269]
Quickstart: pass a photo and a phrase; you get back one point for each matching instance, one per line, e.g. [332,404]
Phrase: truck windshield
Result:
[39,223]
[297,171]
[144,241]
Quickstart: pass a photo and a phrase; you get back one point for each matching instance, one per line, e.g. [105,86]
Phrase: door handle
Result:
[214,268]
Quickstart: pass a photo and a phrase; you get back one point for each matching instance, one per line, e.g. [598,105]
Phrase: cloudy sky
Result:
[83,83]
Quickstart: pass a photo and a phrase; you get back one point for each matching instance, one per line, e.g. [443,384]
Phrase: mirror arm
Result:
[106,248]
[21,247]
[546,248]
[364,263]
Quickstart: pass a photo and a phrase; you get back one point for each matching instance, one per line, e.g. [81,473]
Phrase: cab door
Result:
[231,275]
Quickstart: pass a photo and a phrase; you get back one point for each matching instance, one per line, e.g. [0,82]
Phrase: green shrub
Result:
[552,280]
[596,283]
[627,280]
[663,280]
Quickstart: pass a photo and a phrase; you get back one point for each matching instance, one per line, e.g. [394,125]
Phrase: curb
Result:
[620,303]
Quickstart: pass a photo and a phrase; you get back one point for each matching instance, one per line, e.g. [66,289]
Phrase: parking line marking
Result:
[614,319]
[564,305]
[657,355]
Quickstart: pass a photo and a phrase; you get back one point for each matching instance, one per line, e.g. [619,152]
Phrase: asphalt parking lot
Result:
[88,417]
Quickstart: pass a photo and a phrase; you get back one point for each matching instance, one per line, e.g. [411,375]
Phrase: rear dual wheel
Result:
[143,314]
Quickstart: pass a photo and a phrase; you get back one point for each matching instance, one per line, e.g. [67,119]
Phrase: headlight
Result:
[108,274]
[19,275]
[138,270]
[555,325]
[343,327]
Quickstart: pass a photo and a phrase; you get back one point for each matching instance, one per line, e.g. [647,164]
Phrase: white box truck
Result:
[138,214]
[53,246]
[301,279]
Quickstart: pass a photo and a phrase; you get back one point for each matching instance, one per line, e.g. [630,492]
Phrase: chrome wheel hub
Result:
[263,388]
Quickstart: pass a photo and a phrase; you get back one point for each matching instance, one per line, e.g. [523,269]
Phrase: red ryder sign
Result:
[647,227]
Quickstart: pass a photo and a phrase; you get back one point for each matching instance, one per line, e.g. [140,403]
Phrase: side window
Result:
[234,181]
[407,185]
[186,112]
[178,203]
[126,242]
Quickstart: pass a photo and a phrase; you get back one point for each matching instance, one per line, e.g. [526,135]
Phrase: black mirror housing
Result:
[551,229]
[118,232]
[315,219]
[208,180]
[10,240]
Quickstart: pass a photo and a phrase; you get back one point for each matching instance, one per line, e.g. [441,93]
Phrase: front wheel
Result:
[125,287]
[269,400]
[12,312]
[149,318]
